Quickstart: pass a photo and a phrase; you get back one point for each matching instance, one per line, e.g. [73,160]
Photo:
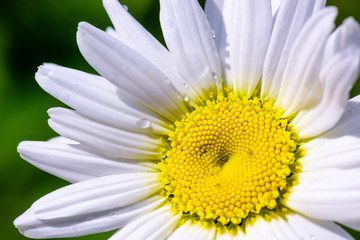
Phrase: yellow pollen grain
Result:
[228,158]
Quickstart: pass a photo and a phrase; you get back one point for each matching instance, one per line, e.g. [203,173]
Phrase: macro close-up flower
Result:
[240,128]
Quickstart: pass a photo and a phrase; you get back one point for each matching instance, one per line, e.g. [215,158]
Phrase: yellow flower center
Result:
[229,159]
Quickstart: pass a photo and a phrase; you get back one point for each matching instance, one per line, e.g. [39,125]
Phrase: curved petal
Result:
[229,236]
[213,10]
[130,32]
[108,140]
[342,152]
[300,87]
[290,19]
[275,4]
[275,229]
[307,228]
[190,40]
[192,231]
[329,194]
[248,27]
[74,162]
[94,97]
[83,220]
[140,81]
[347,35]
[337,77]
[155,225]
[96,195]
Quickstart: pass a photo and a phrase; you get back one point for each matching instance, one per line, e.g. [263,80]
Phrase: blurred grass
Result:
[32,32]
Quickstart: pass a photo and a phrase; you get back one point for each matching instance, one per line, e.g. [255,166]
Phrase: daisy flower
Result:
[240,129]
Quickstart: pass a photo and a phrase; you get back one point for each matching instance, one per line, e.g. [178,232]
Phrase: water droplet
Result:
[211,34]
[166,80]
[44,71]
[112,215]
[143,123]
[312,237]
[125,7]
[186,86]
[185,98]
[214,75]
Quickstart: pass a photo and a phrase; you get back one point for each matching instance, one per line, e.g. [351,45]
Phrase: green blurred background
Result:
[33,32]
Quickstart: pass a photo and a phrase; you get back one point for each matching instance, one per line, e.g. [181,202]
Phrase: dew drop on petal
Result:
[143,123]
[166,80]
[211,34]
[112,215]
[46,72]
[214,75]
[186,86]
[185,98]
[312,237]
[125,7]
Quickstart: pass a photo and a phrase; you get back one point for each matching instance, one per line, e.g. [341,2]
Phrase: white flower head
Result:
[240,129]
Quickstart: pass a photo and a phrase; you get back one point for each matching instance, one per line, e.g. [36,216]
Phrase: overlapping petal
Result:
[340,70]
[329,194]
[290,19]
[91,206]
[193,231]
[244,34]
[109,141]
[130,32]
[155,225]
[75,162]
[139,81]
[300,88]
[96,98]
[190,40]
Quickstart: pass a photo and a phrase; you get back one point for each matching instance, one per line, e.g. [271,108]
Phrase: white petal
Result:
[342,152]
[229,236]
[95,97]
[190,231]
[96,195]
[313,229]
[133,34]
[275,4]
[352,224]
[155,225]
[108,140]
[347,125]
[190,40]
[338,147]
[248,27]
[276,229]
[30,226]
[347,35]
[213,10]
[300,87]
[340,70]
[75,162]
[330,194]
[139,80]
[337,78]
[111,31]
[290,19]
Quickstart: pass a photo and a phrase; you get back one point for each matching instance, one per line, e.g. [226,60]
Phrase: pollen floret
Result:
[229,158]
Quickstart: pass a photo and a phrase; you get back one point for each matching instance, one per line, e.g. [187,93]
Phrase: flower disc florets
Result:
[230,158]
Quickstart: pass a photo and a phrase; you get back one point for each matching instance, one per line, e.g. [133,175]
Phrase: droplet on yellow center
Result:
[228,158]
